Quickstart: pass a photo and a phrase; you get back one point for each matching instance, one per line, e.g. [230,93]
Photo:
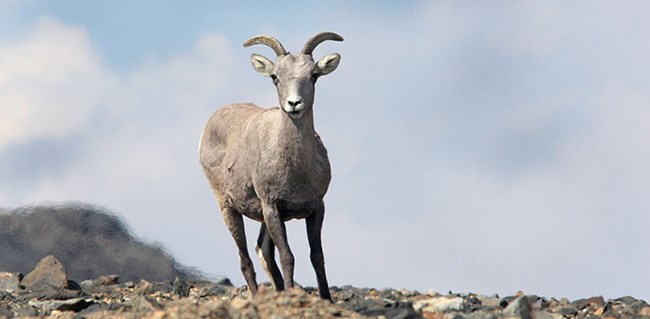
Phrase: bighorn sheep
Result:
[270,164]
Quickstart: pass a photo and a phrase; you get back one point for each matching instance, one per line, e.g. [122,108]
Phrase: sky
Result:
[484,147]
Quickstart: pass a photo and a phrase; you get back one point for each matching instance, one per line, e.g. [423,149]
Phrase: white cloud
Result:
[526,28]
[140,157]
[574,107]
[50,84]
[139,131]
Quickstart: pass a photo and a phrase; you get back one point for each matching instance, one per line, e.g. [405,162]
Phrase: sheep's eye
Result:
[275,79]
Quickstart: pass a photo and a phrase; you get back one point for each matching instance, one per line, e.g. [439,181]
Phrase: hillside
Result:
[89,240]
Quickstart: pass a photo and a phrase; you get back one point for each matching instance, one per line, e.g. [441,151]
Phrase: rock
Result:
[25,312]
[76,304]
[55,294]
[645,311]
[107,280]
[472,303]
[634,308]
[181,288]
[393,311]
[240,303]
[165,287]
[363,305]
[87,284]
[225,282]
[567,311]
[95,307]
[5,313]
[73,285]
[628,300]
[440,304]
[564,301]
[206,288]
[143,304]
[49,273]
[10,281]
[519,308]
[505,301]
[607,309]
[539,314]
[292,304]
[537,302]
[204,299]
[492,302]
[597,301]
[143,287]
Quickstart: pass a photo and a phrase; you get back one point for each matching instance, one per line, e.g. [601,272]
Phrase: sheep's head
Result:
[295,75]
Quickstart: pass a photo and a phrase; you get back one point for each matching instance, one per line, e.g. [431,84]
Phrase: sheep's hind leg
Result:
[266,250]
[314,224]
[278,233]
[235,223]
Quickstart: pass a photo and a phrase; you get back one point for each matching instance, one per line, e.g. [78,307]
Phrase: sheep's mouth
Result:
[295,113]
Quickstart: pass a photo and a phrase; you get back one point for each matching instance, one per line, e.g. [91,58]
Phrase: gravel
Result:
[106,297]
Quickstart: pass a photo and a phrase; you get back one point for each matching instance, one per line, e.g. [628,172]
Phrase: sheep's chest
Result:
[292,176]
[287,160]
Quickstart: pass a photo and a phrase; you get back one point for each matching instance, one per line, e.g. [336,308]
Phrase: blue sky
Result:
[483,147]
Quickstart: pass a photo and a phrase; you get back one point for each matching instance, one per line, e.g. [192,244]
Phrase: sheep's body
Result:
[270,165]
[277,160]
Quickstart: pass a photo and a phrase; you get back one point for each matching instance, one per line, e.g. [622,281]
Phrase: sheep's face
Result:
[295,77]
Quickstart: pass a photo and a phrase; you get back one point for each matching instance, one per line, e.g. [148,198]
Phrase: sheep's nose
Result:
[295,102]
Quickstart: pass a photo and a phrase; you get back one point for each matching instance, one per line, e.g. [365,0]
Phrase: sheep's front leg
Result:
[278,233]
[235,223]
[314,224]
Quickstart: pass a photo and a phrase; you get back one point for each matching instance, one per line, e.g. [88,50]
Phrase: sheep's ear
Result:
[262,65]
[328,64]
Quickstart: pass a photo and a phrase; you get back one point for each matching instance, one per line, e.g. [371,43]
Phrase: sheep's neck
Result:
[299,126]
[297,136]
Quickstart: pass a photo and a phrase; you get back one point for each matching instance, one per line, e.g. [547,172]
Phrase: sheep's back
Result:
[222,136]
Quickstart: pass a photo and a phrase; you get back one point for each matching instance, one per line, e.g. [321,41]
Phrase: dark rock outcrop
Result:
[90,241]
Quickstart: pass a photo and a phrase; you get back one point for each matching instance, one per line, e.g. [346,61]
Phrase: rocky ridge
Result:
[47,292]
[83,237]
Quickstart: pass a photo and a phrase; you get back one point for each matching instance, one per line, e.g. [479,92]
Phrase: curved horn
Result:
[268,40]
[317,39]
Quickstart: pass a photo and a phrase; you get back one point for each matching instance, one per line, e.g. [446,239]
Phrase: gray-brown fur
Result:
[270,164]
